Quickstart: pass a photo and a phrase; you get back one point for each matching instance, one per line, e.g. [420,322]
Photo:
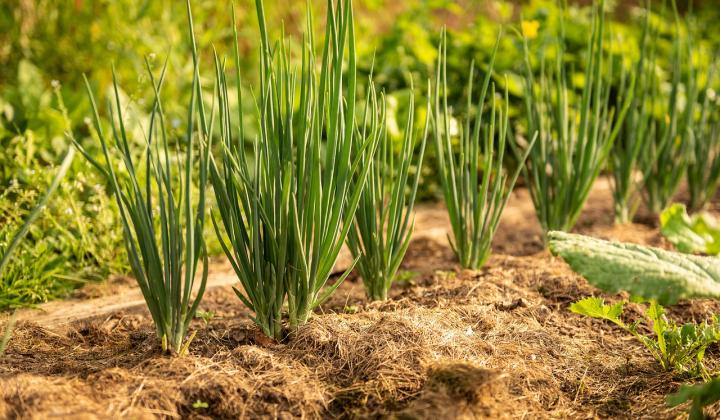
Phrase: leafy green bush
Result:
[7,249]
[16,284]
[74,239]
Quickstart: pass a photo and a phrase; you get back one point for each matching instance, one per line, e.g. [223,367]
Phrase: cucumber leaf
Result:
[697,234]
[595,307]
[649,272]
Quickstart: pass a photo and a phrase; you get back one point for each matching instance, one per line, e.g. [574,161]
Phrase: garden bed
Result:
[499,342]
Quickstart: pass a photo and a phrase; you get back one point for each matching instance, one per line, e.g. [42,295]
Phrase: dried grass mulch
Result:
[494,343]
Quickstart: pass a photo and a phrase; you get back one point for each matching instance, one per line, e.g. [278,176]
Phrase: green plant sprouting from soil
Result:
[703,170]
[670,137]
[162,230]
[475,186]
[627,151]
[575,133]
[384,222]
[287,218]
[678,348]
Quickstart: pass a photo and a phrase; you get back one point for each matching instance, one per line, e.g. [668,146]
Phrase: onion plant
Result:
[383,222]
[670,137]
[575,131]
[475,186]
[703,171]
[287,217]
[627,151]
[162,220]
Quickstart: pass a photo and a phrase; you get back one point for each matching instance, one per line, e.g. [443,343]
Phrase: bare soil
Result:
[449,343]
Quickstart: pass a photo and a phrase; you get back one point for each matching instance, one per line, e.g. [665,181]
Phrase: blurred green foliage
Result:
[46,40]
[75,239]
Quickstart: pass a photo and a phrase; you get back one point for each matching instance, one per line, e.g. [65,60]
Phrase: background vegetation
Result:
[46,46]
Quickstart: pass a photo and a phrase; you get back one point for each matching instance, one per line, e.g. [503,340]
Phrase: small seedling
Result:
[9,325]
[406,278]
[445,275]
[678,348]
[200,405]
[351,309]
[206,316]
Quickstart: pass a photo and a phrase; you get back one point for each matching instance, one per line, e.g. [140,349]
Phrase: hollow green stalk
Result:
[383,222]
[162,221]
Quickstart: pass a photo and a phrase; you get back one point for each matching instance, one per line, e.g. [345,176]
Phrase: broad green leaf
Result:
[652,273]
[595,307]
[697,234]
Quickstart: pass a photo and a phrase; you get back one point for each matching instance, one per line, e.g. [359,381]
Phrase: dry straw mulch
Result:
[494,343]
